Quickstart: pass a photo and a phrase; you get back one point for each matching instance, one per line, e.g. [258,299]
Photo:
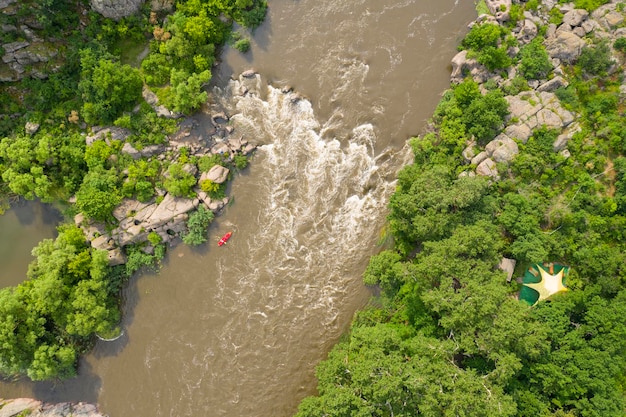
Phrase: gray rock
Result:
[548,118]
[460,65]
[161,5]
[249,73]
[31,128]
[190,169]
[217,174]
[152,150]
[116,257]
[108,134]
[478,159]
[520,132]
[469,152]
[528,31]
[103,242]
[507,265]
[565,46]
[590,25]
[116,9]
[502,148]
[14,46]
[575,17]
[18,406]
[128,149]
[553,84]
[613,19]
[487,168]
[6,3]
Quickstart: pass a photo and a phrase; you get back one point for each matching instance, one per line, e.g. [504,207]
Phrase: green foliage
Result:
[241,161]
[494,58]
[596,60]
[179,182]
[482,36]
[48,165]
[242,45]
[197,225]
[206,162]
[441,287]
[534,60]
[139,183]
[99,194]
[589,5]
[620,44]
[47,321]
[107,87]
[186,90]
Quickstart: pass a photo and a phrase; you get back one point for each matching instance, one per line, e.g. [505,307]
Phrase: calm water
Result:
[238,330]
[22,228]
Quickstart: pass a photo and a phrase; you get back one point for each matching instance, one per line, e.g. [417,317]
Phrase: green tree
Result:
[534,60]
[107,87]
[197,226]
[99,194]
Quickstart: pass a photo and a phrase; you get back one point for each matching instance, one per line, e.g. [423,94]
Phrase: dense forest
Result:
[448,336]
[72,294]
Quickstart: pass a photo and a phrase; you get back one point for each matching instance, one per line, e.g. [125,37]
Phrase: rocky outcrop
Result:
[166,215]
[539,107]
[116,9]
[33,408]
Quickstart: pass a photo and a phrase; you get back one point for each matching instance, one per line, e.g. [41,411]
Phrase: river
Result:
[238,330]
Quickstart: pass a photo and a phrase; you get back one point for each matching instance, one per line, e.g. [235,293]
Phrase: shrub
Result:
[494,58]
[242,45]
[535,62]
[179,182]
[620,44]
[197,226]
[596,60]
[241,162]
[482,36]
[589,5]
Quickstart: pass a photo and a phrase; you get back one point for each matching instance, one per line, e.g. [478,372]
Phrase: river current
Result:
[238,330]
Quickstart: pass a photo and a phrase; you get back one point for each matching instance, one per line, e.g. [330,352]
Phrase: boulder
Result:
[553,84]
[249,73]
[520,132]
[128,149]
[116,257]
[31,128]
[507,265]
[548,118]
[613,19]
[107,134]
[528,31]
[487,168]
[565,46]
[18,407]
[217,174]
[478,159]
[502,148]
[575,17]
[461,64]
[116,9]
[469,152]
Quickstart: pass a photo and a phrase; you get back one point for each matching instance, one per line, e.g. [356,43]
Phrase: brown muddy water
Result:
[21,229]
[238,330]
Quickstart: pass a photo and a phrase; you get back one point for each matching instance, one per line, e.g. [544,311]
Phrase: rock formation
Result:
[116,9]
[33,408]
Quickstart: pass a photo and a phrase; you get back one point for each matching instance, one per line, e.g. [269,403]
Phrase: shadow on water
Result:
[29,212]
[84,388]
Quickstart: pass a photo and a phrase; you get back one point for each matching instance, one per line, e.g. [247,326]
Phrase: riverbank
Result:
[524,159]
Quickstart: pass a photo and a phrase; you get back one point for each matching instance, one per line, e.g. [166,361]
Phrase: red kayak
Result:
[224,239]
